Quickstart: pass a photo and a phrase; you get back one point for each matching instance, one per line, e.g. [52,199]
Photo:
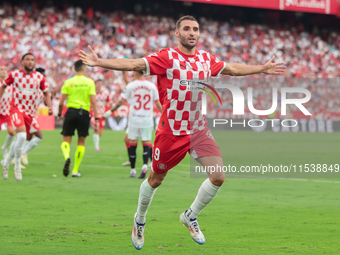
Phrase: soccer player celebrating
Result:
[103,99]
[141,94]
[182,127]
[80,93]
[26,84]
[4,111]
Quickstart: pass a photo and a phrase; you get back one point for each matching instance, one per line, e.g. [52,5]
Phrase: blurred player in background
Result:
[80,93]
[31,141]
[141,94]
[103,100]
[182,128]
[5,104]
[127,141]
[26,84]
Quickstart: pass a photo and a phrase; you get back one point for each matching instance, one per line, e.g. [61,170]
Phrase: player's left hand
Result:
[50,111]
[274,68]
[90,59]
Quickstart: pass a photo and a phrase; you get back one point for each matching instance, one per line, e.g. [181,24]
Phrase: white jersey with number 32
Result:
[141,94]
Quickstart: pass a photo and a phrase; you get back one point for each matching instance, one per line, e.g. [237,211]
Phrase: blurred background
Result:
[305,34]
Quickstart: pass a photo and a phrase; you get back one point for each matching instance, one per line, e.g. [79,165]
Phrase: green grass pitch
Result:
[93,214]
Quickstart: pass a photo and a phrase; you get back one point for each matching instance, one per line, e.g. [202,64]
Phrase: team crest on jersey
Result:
[205,67]
[71,86]
[35,82]
[161,166]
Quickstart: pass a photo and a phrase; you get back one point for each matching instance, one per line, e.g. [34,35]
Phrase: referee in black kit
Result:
[80,93]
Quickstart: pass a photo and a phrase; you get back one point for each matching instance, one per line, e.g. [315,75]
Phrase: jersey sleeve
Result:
[157,63]
[43,85]
[65,88]
[9,80]
[92,88]
[216,66]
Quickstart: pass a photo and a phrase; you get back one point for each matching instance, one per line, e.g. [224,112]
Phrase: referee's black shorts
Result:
[76,119]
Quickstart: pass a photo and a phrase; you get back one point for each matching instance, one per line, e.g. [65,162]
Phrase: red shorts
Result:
[20,119]
[101,122]
[169,150]
[34,126]
[5,119]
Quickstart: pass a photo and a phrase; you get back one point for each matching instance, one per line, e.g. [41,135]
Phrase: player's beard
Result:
[185,44]
[29,69]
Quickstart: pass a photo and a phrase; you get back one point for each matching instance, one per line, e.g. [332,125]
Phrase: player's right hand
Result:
[90,59]
[107,114]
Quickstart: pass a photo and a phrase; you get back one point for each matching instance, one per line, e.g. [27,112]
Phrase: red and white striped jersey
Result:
[103,99]
[26,90]
[178,75]
[5,102]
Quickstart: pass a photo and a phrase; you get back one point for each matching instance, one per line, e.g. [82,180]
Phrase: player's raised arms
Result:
[122,64]
[270,67]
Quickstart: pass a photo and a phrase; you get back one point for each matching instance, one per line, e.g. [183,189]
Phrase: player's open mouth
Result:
[192,40]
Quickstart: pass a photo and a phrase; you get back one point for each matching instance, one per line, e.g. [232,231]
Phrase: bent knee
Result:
[217,181]
[11,133]
[154,183]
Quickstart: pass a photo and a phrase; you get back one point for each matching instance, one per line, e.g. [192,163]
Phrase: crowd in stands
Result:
[56,36]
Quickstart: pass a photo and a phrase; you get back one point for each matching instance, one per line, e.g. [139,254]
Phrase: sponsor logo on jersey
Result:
[193,85]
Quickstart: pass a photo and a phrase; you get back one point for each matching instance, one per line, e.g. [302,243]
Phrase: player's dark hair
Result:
[140,72]
[186,17]
[78,65]
[27,54]
[40,70]
[98,80]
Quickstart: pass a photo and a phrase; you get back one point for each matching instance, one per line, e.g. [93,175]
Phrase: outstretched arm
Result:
[114,108]
[121,64]
[241,70]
